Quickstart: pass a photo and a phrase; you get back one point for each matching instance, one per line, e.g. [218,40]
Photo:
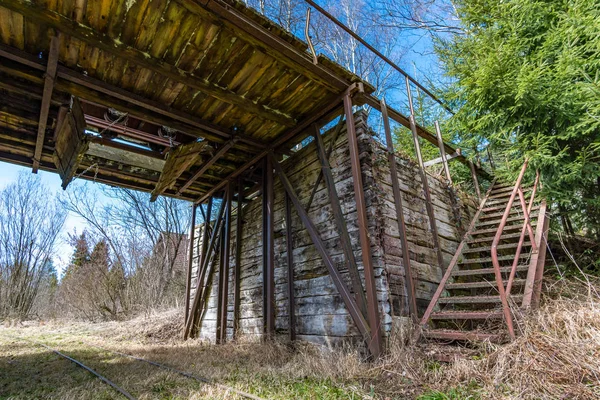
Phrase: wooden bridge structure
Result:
[196,100]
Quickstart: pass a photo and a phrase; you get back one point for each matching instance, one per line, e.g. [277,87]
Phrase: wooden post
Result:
[475,180]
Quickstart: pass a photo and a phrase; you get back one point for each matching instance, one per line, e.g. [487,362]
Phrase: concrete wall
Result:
[320,311]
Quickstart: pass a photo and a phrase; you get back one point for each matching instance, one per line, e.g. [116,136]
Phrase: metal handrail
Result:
[494,250]
[526,227]
[455,259]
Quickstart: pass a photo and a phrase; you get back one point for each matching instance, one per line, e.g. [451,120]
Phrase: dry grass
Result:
[556,356]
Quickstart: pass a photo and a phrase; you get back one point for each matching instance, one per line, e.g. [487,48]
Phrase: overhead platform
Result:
[152,76]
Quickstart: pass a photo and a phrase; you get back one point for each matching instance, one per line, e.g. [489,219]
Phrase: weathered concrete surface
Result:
[320,311]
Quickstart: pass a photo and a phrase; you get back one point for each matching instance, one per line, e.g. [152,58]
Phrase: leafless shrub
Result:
[30,223]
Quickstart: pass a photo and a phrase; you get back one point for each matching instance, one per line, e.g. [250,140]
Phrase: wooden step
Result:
[491,314]
[492,231]
[504,202]
[489,259]
[506,194]
[500,207]
[500,247]
[481,284]
[488,271]
[503,189]
[476,299]
[491,238]
[511,219]
[447,334]
[512,212]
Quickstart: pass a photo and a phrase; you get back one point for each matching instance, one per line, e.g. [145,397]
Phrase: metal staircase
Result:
[497,268]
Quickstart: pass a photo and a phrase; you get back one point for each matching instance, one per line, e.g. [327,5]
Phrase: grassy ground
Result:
[556,356]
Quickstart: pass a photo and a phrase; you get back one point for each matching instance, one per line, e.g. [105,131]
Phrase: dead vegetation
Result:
[556,356]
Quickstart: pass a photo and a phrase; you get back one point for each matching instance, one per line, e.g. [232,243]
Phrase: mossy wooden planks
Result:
[180,160]
[71,143]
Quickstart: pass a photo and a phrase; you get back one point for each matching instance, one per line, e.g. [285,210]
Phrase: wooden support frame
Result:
[290,269]
[475,180]
[202,269]
[440,139]
[340,223]
[533,284]
[268,250]
[220,153]
[425,182]
[188,280]
[237,270]
[365,244]
[49,78]
[438,160]
[338,281]
[408,275]
[90,36]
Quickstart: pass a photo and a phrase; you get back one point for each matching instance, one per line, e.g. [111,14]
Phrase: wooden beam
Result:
[46,99]
[88,35]
[71,143]
[222,150]
[438,160]
[180,160]
[88,88]
[222,14]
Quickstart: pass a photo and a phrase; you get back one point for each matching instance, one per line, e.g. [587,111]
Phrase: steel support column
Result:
[223,294]
[426,192]
[365,244]
[408,275]
[336,277]
[188,280]
[340,223]
[238,259]
[290,265]
[268,251]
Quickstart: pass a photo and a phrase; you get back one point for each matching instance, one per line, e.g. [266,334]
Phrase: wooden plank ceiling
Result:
[153,76]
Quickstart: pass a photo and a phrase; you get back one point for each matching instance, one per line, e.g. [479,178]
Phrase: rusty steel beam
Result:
[223,295]
[338,281]
[338,130]
[363,230]
[440,139]
[127,131]
[237,270]
[220,153]
[290,271]
[340,223]
[425,182]
[188,280]
[268,250]
[494,250]
[49,78]
[408,275]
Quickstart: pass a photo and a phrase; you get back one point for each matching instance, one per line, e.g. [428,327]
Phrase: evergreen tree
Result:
[80,256]
[527,80]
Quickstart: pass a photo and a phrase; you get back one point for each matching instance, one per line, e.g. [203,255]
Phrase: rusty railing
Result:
[505,292]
